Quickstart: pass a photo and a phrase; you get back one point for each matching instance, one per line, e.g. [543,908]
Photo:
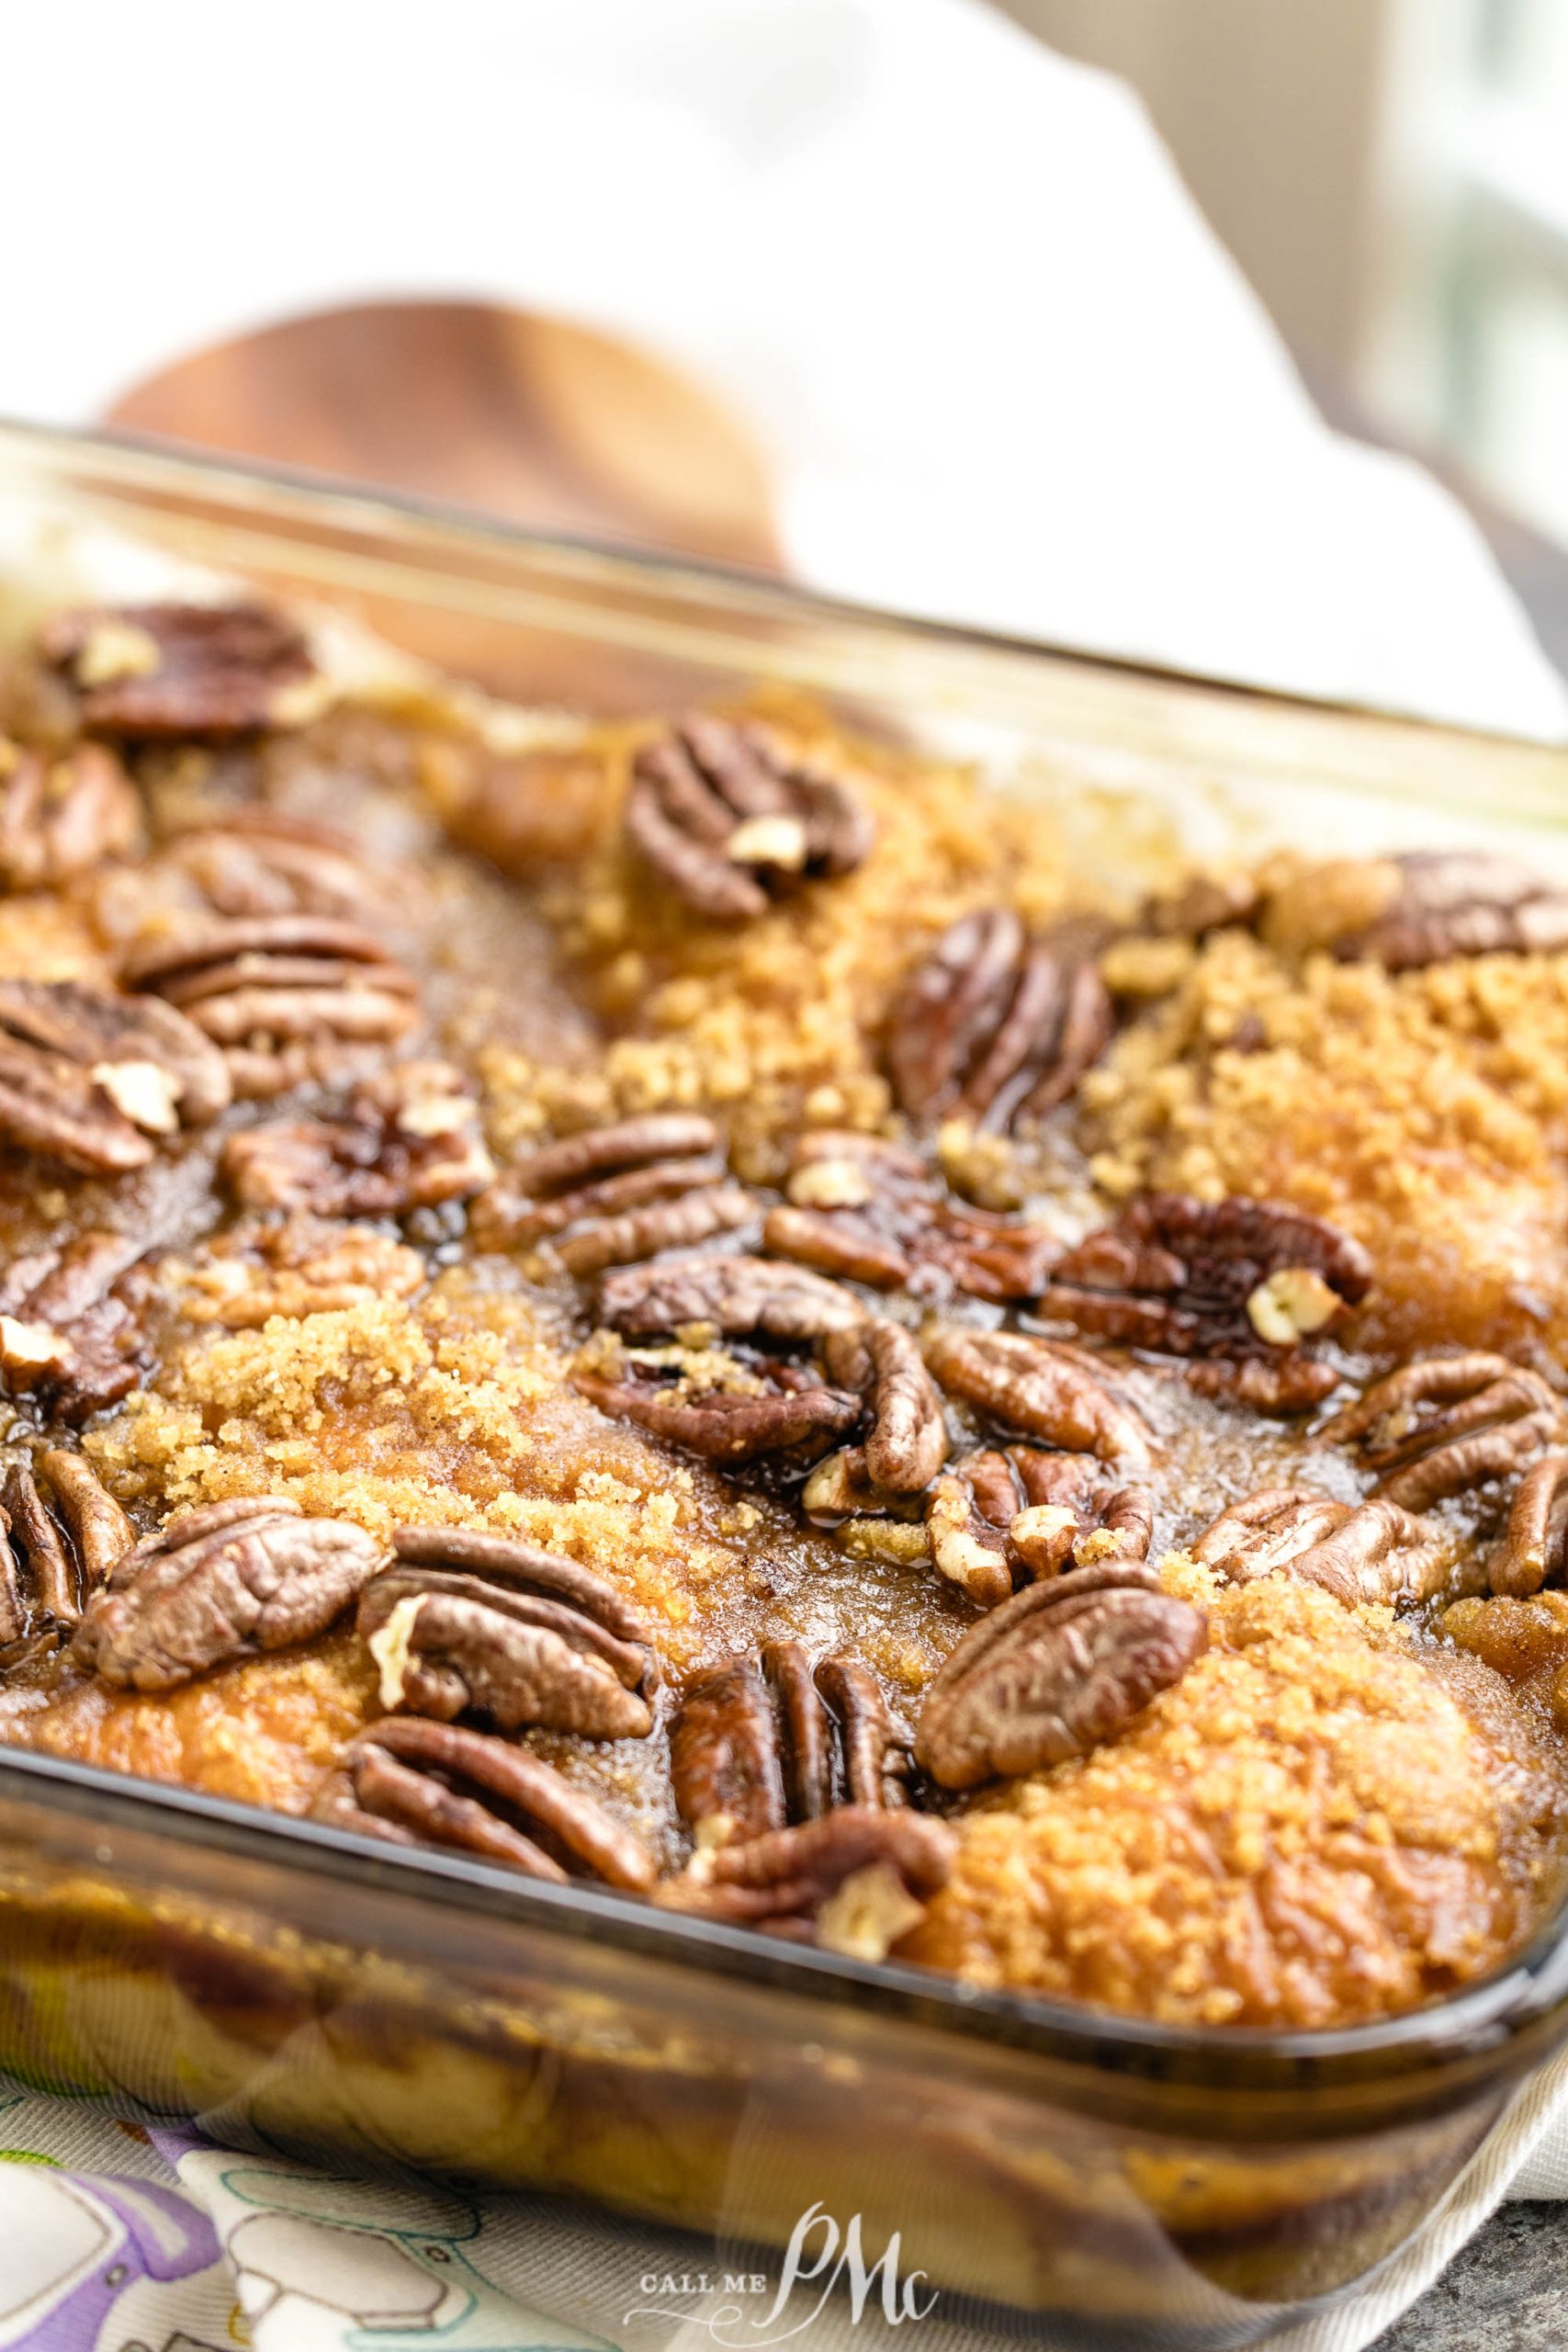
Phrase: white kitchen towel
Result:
[115,2237]
[1003,372]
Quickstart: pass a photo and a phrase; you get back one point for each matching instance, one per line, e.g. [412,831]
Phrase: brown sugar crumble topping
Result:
[708,1309]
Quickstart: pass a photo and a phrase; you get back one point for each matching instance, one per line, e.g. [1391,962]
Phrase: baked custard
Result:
[705,1306]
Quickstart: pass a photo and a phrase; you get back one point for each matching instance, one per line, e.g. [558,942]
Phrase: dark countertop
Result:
[1506,2292]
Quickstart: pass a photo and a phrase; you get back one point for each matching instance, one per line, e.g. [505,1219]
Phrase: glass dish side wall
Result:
[197,1966]
[290,1991]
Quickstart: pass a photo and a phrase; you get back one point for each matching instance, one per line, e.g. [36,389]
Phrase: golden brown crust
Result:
[1308,1830]
[1424,1112]
[1329,1814]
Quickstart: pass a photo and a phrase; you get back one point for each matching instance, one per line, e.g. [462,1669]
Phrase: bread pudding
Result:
[701,1306]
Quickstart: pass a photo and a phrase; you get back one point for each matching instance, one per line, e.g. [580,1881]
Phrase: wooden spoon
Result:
[521,415]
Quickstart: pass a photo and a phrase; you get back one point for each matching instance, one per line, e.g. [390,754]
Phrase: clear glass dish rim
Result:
[138,461]
[1482,2019]
[1480,2022]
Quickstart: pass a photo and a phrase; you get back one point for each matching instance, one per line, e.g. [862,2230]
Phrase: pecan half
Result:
[1447,1424]
[1534,1546]
[731,820]
[253,862]
[289,999]
[735,1296]
[968,1546]
[1109,1522]
[307,1265]
[727,1407]
[95,1081]
[61,1536]
[1374,1552]
[1289,1381]
[907,1444]
[740,1296]
[1201,903]
[1382,1553]
[792,1781]
[1236,1280]
[763,1739]
[1421,907]
[419,1783]
[1038,1389]
[725,1752]
[1055,1671]
[409,1139]
[994,1027]
[63,816]
[868,1211]
[69,1325]
[463,1623]
[1267,1531]
[1002,1517]
[615,1195]
[163,670]
[220,1583]
[854,1881]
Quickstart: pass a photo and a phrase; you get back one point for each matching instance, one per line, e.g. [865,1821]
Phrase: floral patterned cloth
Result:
[115,2237]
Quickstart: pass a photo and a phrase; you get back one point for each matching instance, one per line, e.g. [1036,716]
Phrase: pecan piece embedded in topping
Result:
[63,816]
[760,1741]
[288,998]
[1203,903]
[463,1623]
[1419,908]
[727,1407]
[69,1328]
[307,1265]
[1286,1382]
[1038,1389]
[731,819]
[1267,1531]
[1108,1522]
[1373,1552]
[421,1783]
[1055,1670]
[994,1027]
[1234,1281]
[1447,1424]
[615,1195]
[409,1139]
[969,1546]
[737,1296]
[868,1211]
[172,669]
[220,1583]
[853,1882]
[728,1403]
[252,861]
[727,1756]
[97,1080]
[1382,1553]
[61,1536]
[906,1443]
[792,1783]
[1533,1550]
[1017,1515]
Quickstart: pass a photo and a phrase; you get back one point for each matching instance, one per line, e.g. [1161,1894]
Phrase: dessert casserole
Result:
[707,1307]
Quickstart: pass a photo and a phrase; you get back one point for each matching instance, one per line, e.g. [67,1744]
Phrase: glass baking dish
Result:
[1050,2170]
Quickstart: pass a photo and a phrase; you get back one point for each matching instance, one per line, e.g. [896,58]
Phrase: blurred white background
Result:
[962,340]
[1392,176]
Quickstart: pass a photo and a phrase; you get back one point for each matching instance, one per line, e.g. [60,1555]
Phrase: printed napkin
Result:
[116,2237]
